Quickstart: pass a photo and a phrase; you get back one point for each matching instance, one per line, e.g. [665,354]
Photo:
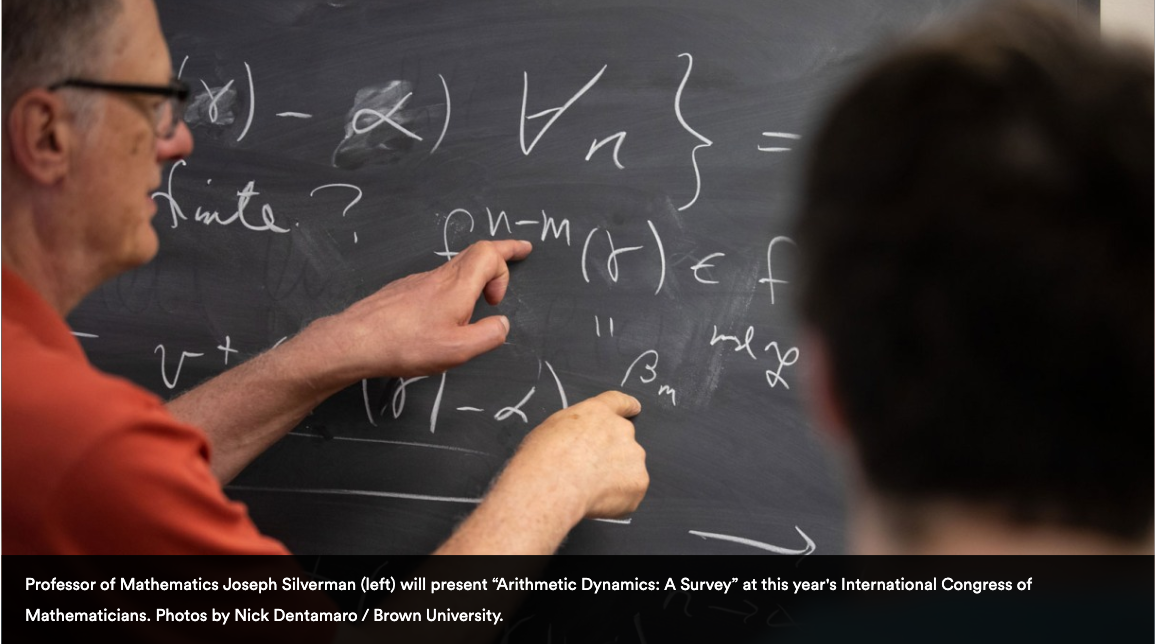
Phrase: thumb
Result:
[483,335]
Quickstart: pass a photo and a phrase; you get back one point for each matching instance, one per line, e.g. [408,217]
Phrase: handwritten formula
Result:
[651,154]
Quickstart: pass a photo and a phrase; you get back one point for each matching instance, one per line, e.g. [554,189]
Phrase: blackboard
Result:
[649,149]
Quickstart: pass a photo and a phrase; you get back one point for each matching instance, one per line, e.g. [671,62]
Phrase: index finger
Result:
[510,250]
[483,265]
[621,404]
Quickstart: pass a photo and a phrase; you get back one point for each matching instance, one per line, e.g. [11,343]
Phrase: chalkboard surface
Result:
[649,149]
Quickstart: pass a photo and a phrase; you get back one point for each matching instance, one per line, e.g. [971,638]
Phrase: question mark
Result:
[351,203]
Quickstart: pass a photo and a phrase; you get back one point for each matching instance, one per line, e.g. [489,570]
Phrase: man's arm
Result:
[581,462]
[417,325]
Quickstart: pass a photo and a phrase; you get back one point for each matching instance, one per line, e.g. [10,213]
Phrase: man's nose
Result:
[178,146]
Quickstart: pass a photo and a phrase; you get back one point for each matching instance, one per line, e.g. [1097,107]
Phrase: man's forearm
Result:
[248,408]
[417,325]
[527,512]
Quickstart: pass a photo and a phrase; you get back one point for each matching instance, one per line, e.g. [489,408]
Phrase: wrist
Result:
[544,491]
[310,359]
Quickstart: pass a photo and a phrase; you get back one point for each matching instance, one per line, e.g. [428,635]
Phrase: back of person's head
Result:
[977,238]
[46,41]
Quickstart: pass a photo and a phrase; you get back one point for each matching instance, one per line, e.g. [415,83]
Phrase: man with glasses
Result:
[93,464]
[168,113]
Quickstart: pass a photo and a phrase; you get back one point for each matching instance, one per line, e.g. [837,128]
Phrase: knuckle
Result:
[637,500]
[485,248]
[590,405]
[610,399]
[454,351]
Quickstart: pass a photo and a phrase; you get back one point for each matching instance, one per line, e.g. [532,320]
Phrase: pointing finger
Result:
[622,404]
[484,269]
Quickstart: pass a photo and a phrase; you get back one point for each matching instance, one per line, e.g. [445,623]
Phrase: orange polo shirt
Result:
[93,464]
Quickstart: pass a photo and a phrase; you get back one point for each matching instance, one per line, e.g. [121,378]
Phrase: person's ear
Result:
[40,136]
[826,407]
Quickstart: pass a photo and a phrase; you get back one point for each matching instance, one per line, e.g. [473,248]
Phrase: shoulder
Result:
[147,490]
[95,464]
[57,405]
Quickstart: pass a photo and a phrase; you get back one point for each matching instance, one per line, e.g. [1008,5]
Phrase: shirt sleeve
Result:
[148,489]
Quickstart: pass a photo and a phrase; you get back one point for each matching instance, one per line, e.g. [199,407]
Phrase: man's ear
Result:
[40,136]
[826,407]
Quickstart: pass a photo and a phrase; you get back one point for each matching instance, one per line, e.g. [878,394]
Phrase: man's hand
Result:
[581,462]
[419,325]
[587,453]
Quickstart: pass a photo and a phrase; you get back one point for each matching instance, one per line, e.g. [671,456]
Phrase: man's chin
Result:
[142,252]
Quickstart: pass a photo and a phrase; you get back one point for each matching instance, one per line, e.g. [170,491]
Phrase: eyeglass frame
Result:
[176,89]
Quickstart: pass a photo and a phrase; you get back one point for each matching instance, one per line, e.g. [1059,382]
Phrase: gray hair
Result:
[46,41]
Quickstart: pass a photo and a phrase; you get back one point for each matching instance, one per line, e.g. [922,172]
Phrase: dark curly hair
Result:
[977,250]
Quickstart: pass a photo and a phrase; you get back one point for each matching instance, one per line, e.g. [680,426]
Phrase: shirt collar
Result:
[25,307]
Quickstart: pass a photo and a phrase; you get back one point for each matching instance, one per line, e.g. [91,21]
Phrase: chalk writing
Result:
[612,265]
[365,137]
[585,252]
[437,404]
[702,265]
[448,108]
[774,377]
[368,407]
[598,327]
[171,384]
[398,401]
[214,97]
[778,135]
[705,143]
[506,412]
[739,345]
[227,348]
[612,262]
[494,224]
[650,368]
[351,203]
[746,614]
[554,112]
[769,279]
[252,103]
[617,139]
[560,389]
[548,225]
[379,441]
[207,217]
[784,359]
[360,128]
[450,254]
[806,550]
[661,255]
[675,361]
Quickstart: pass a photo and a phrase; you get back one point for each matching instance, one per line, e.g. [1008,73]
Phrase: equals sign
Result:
[778,135]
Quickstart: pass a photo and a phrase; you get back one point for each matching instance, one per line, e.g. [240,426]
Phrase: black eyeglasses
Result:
[168,114]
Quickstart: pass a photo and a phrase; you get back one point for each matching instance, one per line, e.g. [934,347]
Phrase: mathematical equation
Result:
[598,257]
[381,119]
[642,370]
